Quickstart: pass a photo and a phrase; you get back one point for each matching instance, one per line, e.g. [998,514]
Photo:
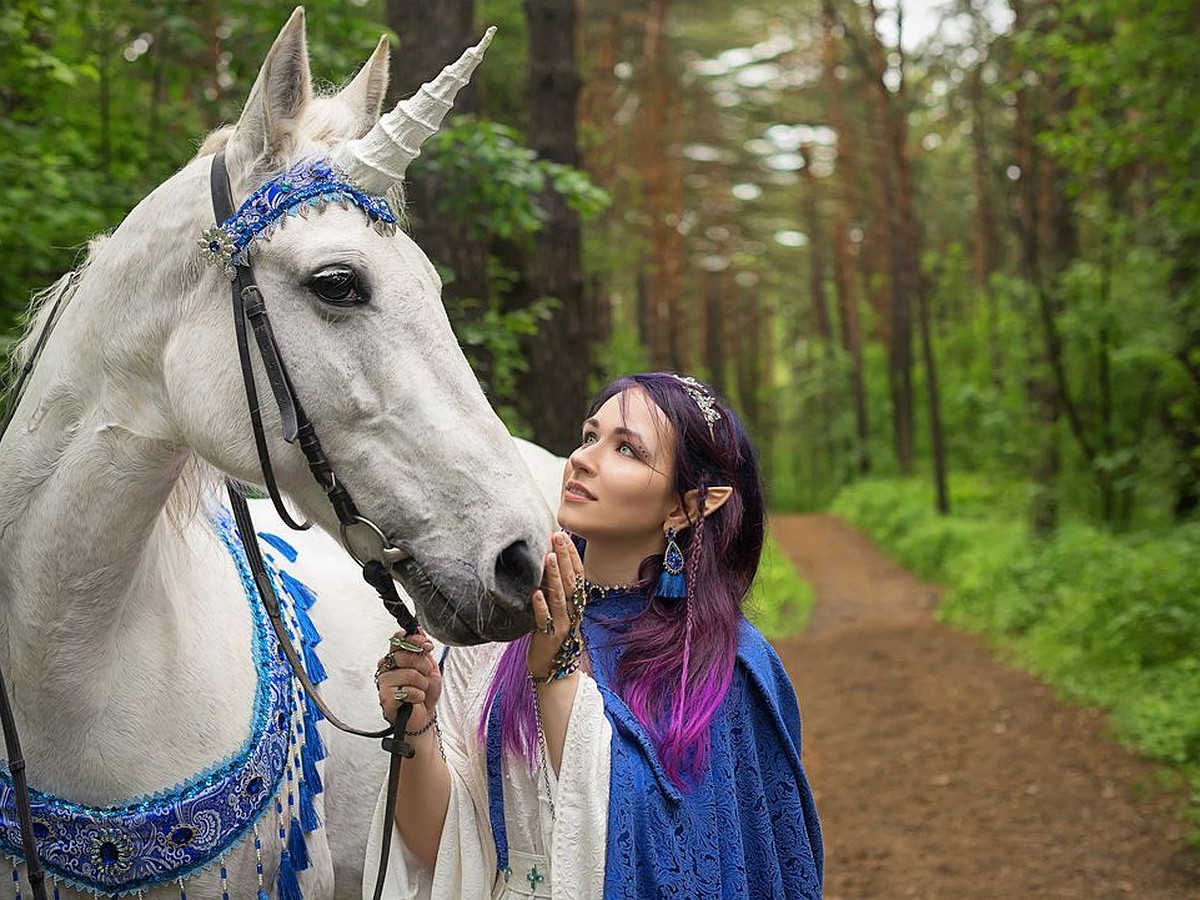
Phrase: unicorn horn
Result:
[378,160]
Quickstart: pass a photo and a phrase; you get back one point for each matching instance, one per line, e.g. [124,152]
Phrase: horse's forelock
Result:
[327,121]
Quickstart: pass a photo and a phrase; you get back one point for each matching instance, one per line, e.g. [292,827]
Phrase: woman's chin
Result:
[569,520]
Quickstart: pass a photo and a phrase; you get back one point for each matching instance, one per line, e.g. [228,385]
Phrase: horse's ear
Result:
[283,87]
[366,91]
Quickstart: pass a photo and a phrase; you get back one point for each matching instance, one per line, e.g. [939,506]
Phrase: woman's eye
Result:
[588,438]
[338,286]
[628,450]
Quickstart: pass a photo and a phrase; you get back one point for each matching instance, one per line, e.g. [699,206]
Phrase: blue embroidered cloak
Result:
[749,829]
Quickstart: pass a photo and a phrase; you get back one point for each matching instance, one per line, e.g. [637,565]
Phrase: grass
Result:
[780,601]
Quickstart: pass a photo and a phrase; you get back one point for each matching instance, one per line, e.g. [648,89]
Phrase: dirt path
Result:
[942,774]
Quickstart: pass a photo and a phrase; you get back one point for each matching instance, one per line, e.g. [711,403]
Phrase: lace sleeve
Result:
[580,827]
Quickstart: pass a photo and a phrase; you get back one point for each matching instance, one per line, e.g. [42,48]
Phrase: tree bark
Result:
[1040,385]
[891,156]
[555,388]
[984,222]
[431,36]
[847,300]
[816,248]
[663,203]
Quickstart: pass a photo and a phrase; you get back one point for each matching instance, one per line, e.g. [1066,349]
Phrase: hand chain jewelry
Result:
[570,652]
[385,665]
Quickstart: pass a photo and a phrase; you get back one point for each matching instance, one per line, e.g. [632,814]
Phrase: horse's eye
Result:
[338,286]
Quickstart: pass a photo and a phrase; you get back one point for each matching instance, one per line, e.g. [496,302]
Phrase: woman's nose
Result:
[580,458]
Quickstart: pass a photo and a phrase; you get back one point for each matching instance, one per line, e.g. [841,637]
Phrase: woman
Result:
[644,741]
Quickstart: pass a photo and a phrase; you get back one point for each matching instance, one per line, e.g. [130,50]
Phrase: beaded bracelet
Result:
[424,728]
[556,673]
[566,659]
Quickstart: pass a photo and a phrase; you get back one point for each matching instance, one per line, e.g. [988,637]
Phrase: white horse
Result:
[125,633]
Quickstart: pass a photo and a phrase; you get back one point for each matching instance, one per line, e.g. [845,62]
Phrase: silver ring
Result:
[548,628]
[399,643]
[401,695]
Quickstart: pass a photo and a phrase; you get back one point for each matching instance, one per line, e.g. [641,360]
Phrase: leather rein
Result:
[248,306]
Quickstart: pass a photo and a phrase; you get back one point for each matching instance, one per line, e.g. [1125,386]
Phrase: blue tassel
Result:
[285,878]
[299,591]
[313,746]
[296,846]
[311,710]
[312,665]
[307,628]
[308,813]
[279,544]
[671,586]
[311,775]
[262,894]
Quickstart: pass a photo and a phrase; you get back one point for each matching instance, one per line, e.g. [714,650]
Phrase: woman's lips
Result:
[573,490]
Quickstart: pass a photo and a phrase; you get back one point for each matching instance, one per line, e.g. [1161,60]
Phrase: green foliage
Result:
[1112,621]
[780,601]
[621,354]
[489,181]
[492,188]
[491,339]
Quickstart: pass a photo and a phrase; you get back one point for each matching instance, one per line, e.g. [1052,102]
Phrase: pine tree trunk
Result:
[661,191]
[847,299]
[432,35]
[897,199]
[555,389]
[984,251]
[1040,386]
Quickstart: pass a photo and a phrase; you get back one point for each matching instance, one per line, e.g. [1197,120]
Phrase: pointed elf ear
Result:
[684,514]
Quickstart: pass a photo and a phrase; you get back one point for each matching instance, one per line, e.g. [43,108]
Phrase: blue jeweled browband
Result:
[173,834]
[312,184]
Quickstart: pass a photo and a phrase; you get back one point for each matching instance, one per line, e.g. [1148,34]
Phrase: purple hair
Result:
[677,658]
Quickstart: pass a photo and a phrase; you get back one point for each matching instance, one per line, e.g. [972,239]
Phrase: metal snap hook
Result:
[388,555]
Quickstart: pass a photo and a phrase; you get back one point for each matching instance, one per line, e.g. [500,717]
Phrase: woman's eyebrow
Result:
[621,430]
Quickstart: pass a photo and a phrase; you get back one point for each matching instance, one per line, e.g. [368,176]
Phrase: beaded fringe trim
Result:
[293,805]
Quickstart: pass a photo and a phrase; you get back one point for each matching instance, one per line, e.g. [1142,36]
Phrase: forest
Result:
[944,256]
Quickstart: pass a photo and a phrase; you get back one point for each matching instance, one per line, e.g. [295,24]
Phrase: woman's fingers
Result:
[556,582]
[569,563]
[408,666]
[542,619]
[403,678]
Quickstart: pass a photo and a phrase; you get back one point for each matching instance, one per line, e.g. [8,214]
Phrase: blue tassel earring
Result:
[671,583]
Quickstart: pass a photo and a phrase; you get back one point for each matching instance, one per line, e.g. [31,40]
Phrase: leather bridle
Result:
[248,306]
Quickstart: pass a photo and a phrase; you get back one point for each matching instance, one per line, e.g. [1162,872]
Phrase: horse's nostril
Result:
[517,570]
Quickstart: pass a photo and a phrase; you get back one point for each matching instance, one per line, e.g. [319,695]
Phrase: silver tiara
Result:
[704,400]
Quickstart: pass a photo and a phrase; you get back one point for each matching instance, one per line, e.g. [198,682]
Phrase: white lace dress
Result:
[559,856]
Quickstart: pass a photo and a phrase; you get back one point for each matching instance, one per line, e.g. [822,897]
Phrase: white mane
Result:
[42,303]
